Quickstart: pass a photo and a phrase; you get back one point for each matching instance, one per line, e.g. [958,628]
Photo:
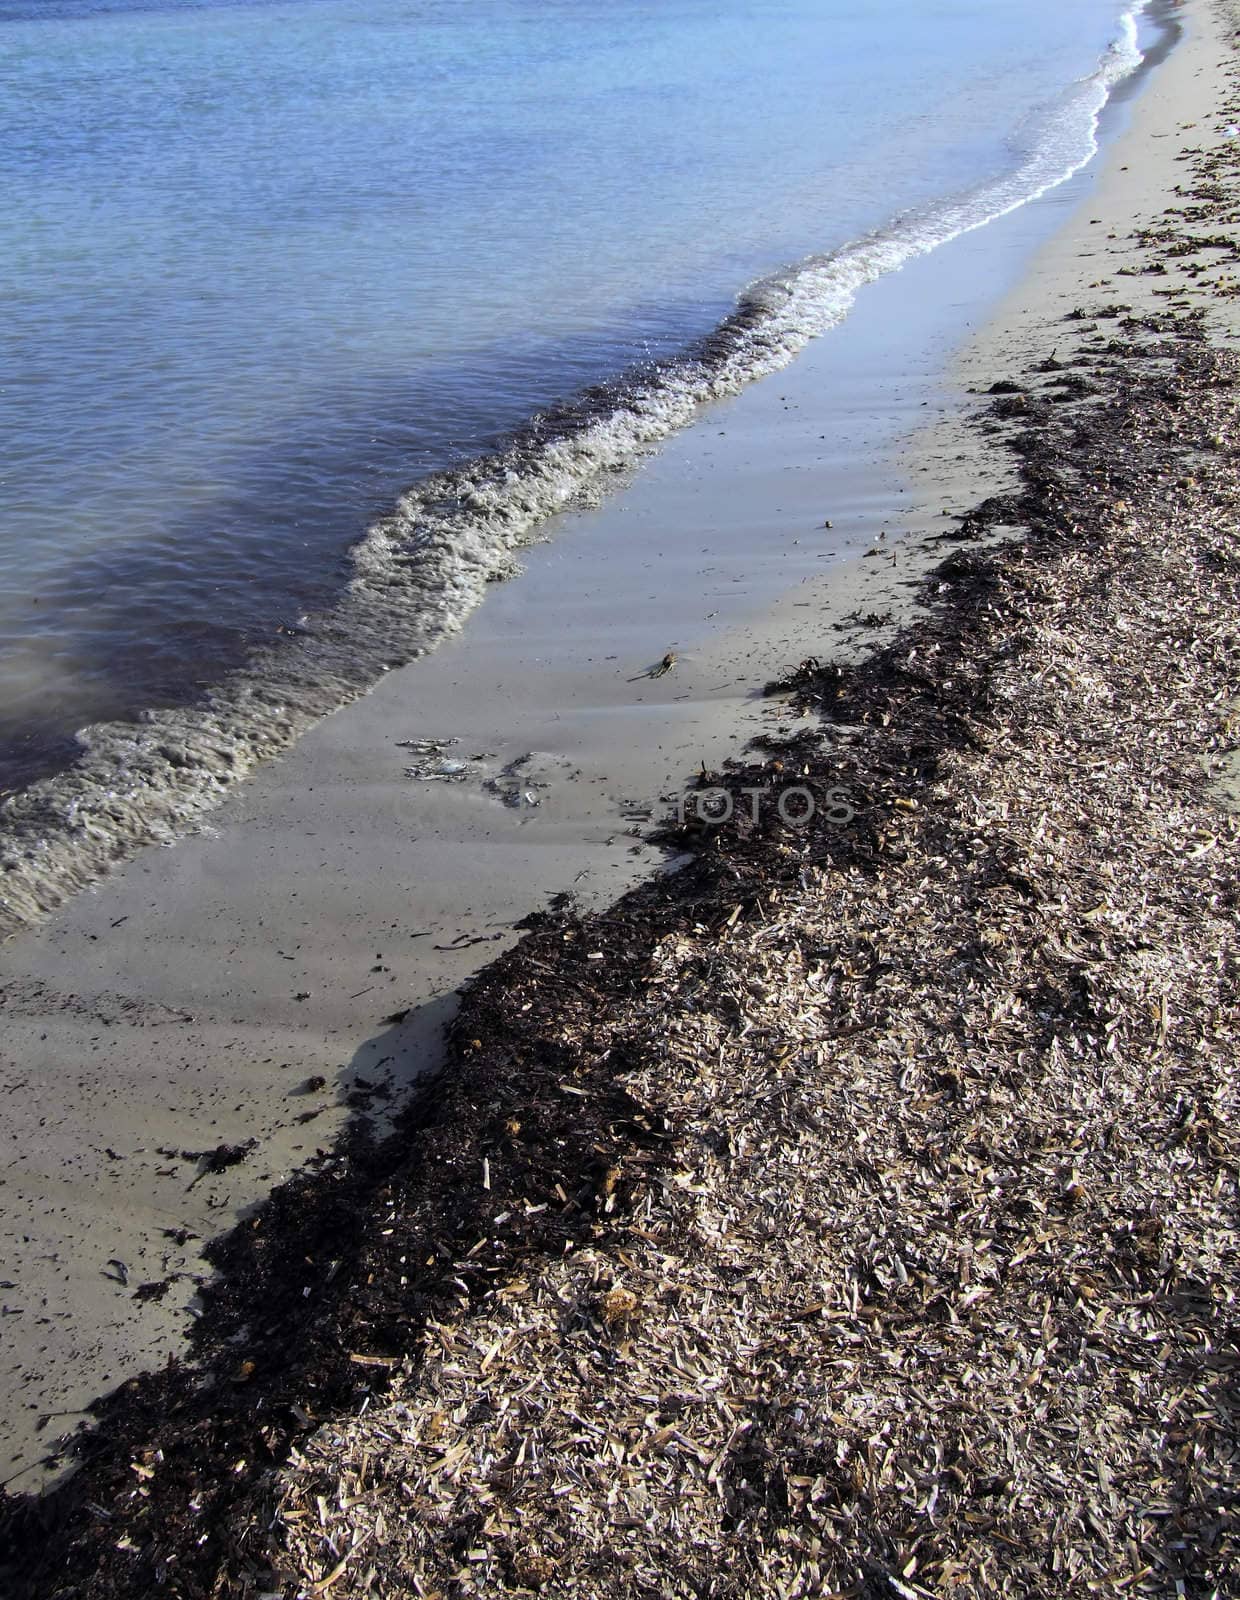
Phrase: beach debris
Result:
[444,769]
[227,1155]
[661,667]
[441,771]
[154,1290]
[119,1273]
[428,747]
[464,941]
[524,780]
[619,1306]
[436,765]
[212,1162]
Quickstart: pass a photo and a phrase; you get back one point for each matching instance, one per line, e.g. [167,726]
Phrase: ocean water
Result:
[313,310]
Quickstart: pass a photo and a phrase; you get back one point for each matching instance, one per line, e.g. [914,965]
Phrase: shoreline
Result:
[424,566]
[318,931]
[489,1002]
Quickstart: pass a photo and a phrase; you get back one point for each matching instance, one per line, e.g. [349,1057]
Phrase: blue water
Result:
[268,265]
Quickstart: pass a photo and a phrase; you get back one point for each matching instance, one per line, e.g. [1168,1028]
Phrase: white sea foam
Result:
[420,571]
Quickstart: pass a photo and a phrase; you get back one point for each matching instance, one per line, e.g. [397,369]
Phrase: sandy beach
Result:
[268,993]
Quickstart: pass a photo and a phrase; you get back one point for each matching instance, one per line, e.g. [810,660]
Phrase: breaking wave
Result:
[419,572]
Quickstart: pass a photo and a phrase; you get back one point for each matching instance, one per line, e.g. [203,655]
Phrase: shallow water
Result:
[273,264]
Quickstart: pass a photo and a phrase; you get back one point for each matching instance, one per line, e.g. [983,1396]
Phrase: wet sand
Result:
[192,1000]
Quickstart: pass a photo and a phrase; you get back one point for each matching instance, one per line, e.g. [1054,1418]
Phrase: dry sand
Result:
[187,1003]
